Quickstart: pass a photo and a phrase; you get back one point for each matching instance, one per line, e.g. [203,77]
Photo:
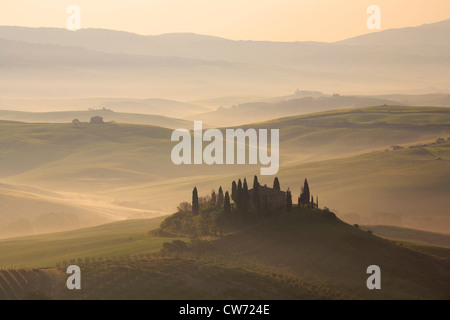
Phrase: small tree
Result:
[213,197]
[195,205]
[184,207]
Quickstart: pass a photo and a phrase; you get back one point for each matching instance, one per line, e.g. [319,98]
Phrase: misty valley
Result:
[184,166]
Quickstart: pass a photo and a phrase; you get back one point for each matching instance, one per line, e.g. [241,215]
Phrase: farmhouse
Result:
[275,198]
[97,119]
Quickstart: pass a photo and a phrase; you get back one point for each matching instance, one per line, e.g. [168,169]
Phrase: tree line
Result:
[219,210]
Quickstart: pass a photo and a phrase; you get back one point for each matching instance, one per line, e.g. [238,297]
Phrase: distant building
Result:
[97,119]
[394,147]
[274,197]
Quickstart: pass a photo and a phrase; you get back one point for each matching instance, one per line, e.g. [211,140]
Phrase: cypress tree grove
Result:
[195,205]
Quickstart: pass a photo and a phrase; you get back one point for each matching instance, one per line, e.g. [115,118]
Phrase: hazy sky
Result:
[276,20]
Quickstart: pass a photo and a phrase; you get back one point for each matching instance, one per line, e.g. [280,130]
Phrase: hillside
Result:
[264,111]
[128,237]
[85,116]
[121,167]
[406,187]
[301,255]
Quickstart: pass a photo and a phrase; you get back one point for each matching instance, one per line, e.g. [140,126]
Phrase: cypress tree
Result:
[255,182]
[288,200]
[317,202]
[312,202]
[276,184]
[234,192]
[226,211]
[195,205]
[227,205]
[239,186]
[245,196]
[305,193]
[220,197]
[256,196]
[213,197]
[245,186]
[239,195]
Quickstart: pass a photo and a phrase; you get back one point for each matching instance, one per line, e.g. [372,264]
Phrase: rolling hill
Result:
[301,255]
[108,240]
[115,167]
[263,111]
[84,116]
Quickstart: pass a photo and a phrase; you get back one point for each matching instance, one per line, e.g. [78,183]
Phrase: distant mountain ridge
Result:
[433,34]
[50,62]
[112,41]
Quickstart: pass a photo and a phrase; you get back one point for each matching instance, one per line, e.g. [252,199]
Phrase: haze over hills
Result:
[129,166]
[264,111]
[222,111]
[46,62]
[204,47]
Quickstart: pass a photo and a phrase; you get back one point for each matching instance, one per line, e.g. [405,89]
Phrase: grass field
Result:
[301,255]
[121,238]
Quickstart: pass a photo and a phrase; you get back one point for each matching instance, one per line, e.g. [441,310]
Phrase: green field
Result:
[305,254]
[127,237]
